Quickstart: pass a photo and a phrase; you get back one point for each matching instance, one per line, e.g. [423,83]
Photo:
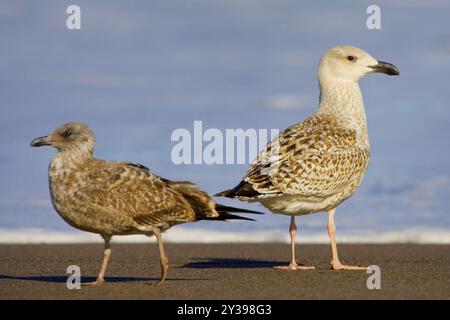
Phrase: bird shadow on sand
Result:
[218,263]
[63,279]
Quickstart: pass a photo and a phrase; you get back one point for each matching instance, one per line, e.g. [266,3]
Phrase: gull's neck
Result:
[72,158]
[343,100]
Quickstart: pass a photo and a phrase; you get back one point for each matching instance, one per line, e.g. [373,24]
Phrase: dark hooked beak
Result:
[385,67]
[41,141]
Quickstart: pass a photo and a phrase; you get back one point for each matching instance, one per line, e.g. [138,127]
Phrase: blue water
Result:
[136,71]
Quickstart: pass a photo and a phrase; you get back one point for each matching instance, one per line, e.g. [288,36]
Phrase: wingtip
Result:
[224,193]
[239,218]
[222,208]
[231,217]
[224,216]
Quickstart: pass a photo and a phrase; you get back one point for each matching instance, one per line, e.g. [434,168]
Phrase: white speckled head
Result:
[351,64]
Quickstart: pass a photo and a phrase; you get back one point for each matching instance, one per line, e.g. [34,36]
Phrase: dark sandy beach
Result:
[224,271]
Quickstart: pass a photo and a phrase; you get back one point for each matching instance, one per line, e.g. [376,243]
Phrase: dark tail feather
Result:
[221,208]
[223,216]
[225,193]
[243,189]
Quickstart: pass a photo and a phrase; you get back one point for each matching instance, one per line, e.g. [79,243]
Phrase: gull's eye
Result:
[67,133]
[351,58]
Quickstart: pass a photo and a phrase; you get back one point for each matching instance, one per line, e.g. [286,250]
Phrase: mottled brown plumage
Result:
[315,165]
[120,198]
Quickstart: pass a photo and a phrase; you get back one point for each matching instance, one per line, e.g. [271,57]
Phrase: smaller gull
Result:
[120,198]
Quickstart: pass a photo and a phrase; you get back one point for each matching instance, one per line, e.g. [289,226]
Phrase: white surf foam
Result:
[180,235]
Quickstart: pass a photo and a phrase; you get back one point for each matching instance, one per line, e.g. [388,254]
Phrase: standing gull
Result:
[120,198]
[315,165]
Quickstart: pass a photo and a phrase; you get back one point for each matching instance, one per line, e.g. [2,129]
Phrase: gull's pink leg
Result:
[162,255]
[335,263]
[100,279]
[293,264]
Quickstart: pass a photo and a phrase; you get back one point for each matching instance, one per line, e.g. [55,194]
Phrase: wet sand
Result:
[224,271]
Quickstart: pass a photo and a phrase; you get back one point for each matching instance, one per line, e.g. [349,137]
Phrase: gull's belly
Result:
[298,204]
[86,218]
[92,221]
[295,205]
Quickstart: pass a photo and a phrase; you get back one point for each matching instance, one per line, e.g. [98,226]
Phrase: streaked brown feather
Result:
[316,158]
